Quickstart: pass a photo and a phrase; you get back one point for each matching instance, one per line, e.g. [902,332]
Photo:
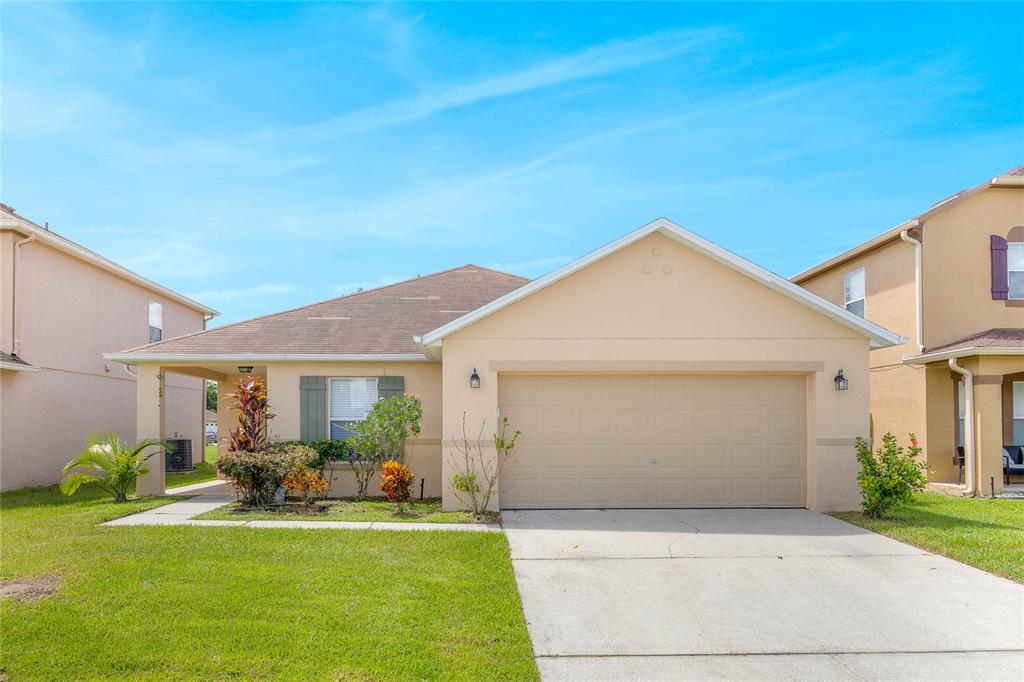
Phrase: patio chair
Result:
[958,460]
[1013,462]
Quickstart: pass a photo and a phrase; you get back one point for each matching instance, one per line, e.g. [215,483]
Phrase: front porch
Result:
[975,419]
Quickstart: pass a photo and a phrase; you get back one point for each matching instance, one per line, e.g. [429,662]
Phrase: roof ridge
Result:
[315,303]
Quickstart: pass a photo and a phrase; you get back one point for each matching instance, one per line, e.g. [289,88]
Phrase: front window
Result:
[854,286]
[156,322]
[350,399]
[1015,269]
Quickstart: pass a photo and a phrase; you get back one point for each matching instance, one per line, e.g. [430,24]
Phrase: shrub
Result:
[309,483]
[327,451]
[889,477]
[256,476]
[476,471]
[396,481]
[114,465]
[381,437]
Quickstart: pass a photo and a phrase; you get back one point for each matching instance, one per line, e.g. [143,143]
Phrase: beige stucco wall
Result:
[898,403]
[70,313]
[957,266]
[656,306]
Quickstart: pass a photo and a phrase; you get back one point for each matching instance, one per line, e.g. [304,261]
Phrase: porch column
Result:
[988,416]
[149,424]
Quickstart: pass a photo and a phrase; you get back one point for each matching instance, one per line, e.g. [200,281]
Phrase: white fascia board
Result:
[18,367]
[135,359]
[878,335]
[960,353]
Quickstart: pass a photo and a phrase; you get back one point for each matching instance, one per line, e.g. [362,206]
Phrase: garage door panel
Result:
[635,492]
[656,441]
[710,422]
[710,457]
[635,421]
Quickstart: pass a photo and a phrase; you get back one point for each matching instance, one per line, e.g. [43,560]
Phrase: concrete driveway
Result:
[753,594]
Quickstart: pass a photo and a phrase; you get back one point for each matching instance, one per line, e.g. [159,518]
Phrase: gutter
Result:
[962,353]
[16,309]
[918,303]
[136,358]
[968,425]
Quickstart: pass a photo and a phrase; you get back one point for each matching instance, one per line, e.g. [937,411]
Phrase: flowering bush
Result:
[396,481]
[309,483]
[889,477]
[256,476]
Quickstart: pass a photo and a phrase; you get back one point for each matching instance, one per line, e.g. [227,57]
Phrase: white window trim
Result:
[330,379]
[864,297]
[1014,246]
[160,323]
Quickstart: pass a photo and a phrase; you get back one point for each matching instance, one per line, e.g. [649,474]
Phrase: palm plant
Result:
[114,465]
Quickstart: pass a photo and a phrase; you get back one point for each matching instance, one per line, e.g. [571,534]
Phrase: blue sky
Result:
[263,156]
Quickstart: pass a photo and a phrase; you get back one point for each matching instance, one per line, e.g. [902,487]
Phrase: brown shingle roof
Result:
[378,321]
[990,338]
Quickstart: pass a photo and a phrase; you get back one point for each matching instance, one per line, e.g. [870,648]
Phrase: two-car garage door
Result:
[640,440]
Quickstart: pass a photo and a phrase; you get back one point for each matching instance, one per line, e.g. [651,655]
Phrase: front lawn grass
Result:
[348,509]
[985,533]
[205,603]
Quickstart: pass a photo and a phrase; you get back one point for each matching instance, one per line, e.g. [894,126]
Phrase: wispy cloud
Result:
[245,292]
[592,62]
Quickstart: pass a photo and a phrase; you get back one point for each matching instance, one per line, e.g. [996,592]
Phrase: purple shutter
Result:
[1000,279]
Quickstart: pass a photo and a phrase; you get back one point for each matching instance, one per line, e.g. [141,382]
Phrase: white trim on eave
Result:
[139,358]
[17,223]
[18,367]
[961,353]
[879,336]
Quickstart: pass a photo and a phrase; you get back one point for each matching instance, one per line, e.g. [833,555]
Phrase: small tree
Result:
[211,396]
[115,465]
[889,477]
[250,400]
[476,472]
[381,436]
[396,481]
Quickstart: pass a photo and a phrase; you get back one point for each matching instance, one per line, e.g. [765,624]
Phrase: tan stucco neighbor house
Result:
[951,280]
[658,371]
[62,307]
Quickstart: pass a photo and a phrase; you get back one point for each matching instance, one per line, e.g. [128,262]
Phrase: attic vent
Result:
[328,317]
[421,298]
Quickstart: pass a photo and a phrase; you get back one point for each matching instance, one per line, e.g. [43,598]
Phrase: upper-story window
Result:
[156,321]
[1015,269]
[349,400]
[854,288]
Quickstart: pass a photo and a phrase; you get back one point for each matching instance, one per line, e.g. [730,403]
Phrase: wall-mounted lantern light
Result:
[474,379]
[840,381]
[245,369]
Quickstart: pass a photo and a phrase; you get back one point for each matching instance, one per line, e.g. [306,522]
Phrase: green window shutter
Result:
[312,408]
[390,386]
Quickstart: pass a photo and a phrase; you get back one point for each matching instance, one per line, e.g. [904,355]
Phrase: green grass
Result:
[212,603]
[349,509]
[210,453]
[985,533]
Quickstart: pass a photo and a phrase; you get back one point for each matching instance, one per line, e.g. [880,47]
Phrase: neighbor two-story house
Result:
[951,280]
[61,307]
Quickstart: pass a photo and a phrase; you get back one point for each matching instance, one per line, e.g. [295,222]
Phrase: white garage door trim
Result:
[655,440]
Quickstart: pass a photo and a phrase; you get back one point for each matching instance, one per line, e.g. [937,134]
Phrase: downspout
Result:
[918,318]
[968,425]
[15,341]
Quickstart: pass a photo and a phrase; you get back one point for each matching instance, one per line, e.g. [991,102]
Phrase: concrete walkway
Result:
[753,594]
[215,494]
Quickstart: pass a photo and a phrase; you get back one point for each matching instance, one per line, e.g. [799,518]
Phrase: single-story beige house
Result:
[660,370]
